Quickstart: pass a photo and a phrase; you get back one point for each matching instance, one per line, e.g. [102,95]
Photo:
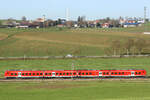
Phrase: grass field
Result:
[57,41]
[75,90]
[85,63]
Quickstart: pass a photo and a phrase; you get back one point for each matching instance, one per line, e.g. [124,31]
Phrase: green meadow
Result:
[75,90]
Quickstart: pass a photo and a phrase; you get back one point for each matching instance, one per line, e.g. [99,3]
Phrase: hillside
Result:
[63,41]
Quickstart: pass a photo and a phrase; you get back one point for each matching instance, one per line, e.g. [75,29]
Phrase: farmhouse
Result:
[40,20]
[105,25]
[131,25]
[22,26]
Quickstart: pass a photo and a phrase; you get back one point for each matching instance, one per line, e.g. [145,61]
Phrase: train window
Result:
[11,73]
[41,74]
[122,72]
[37,73]
[74,73]
[49,73]
[45,73]
[86,73]
[116,73]
[70,73]
[107,73]
[112,73]
[63,73]
[79,73]
[139,72]
[56,73]
[119,73]
[15,73]
[60,73]
[104,73]
[90,73]
[67,73]
[143,71]
[29,73]
[33,73]
[22,73]
[82,73]
[26,73]
[135,72]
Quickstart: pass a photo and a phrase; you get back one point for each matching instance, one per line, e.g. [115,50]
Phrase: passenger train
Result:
[75,73]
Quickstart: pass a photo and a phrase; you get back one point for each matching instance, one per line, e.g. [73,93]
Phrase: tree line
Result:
[138,46]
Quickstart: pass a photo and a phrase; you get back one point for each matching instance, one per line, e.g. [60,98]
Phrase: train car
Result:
[75,73]
[128,73]
[88,73]
[60,73]
[24,74]
[11,74]
[139,73]
[111,73]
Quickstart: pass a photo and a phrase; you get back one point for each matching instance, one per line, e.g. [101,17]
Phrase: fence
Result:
[70,57]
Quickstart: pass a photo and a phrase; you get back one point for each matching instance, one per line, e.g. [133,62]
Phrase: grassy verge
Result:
[73,90]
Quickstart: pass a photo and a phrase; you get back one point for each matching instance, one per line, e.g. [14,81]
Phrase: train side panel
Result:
[23,74]
[88,73]
[61,73]
[11,74]
[140,73]
[75,73]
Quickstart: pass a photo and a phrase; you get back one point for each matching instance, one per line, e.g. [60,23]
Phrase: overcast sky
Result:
[54,9]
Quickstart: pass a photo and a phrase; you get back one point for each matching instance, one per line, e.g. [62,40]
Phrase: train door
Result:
[132,73]
[19,74]
[100,74]
[53,74]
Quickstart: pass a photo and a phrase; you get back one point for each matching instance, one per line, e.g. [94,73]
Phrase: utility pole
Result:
[145,11]
[72,70]
[44,18]
[44,21]
[67,14]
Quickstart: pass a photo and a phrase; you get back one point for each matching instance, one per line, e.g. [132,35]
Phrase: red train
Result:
[75,73]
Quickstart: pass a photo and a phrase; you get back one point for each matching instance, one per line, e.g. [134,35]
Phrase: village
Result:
[81,22]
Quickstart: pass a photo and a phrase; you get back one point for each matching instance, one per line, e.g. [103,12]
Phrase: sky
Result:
[54,9]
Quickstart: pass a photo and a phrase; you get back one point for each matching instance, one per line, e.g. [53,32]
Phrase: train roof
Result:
[73,70]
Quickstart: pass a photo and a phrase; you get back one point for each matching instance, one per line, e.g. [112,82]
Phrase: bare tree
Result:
[115,23]
[82,21]
[24,18]
[128,45]
[140,45]
[116,46]
[69,23]
[108,51]
[48,52]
